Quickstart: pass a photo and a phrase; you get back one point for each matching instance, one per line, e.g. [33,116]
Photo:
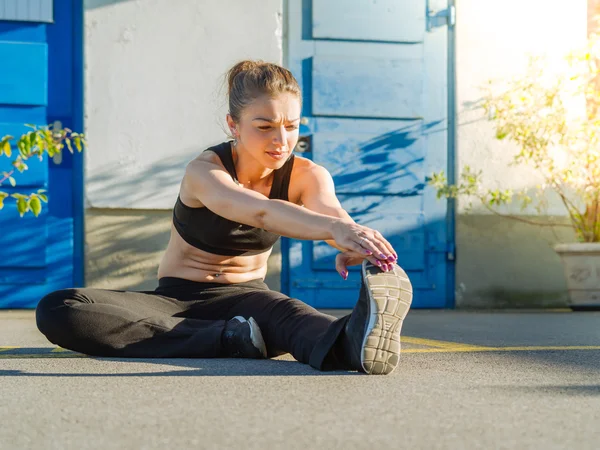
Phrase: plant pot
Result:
[581,262]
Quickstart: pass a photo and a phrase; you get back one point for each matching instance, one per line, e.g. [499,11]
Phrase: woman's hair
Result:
[248,80]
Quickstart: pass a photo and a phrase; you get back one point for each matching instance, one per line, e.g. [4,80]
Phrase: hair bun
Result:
[241,67]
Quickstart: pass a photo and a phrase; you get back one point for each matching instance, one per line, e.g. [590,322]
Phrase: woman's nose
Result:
[281,135]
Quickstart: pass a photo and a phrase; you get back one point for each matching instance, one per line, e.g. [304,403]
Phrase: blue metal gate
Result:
[41,83]
[375,81]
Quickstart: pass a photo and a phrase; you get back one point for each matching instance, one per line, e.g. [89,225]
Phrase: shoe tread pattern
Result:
[391,295]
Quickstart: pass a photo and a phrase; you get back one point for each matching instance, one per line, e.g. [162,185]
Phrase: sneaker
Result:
[371,338]
[242,338]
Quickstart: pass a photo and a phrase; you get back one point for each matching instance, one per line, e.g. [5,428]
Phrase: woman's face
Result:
[268,128]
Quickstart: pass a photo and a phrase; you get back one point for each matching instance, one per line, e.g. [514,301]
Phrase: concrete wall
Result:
[153,73]
[499,261]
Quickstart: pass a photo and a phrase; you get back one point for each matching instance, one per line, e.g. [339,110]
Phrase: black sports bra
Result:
[203,229]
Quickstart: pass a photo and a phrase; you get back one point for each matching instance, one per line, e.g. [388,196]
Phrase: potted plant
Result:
[552,114]
[46,139]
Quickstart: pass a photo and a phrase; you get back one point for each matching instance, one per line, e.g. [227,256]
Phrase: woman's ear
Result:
[232,125]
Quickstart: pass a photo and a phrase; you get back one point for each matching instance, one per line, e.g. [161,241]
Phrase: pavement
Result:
[466,380]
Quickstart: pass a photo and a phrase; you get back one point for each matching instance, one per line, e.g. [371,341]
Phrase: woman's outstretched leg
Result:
[367,340]
[288,325]
[125,324]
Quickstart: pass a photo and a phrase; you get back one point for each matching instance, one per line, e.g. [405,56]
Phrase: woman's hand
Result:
[346,259]
[360,242]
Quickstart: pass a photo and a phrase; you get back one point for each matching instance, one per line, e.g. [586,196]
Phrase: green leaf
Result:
[44,197]
[6,149]
[36,206]
[20,165]
[32,137]
[78,143]
[22,148]
[30,126]
[12,181]
[18,196]
[22,206]
[68,141]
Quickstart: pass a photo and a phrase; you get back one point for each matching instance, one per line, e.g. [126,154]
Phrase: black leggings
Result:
[183,318]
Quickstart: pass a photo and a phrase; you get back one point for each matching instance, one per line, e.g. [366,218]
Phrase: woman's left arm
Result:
[318,195]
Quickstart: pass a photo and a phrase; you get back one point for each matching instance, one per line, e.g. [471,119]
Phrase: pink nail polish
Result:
[378,263]
[368,252]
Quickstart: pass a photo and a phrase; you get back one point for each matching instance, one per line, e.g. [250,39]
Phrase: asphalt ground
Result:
[466,379]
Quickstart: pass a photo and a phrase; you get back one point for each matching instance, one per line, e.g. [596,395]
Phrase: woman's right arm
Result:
[210,183]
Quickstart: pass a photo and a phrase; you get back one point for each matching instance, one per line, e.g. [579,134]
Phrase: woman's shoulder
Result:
[304,174]
[305,168]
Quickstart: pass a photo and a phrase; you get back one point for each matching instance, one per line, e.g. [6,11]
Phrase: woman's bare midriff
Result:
[182,260]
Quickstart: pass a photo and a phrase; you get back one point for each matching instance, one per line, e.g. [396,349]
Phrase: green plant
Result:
[40,140]
[552,114]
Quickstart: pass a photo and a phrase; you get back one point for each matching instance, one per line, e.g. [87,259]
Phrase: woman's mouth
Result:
[276,155]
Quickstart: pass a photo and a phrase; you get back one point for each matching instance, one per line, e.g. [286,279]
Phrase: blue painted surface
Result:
[376,102]
[364,20]
[369,87]
[47,249]
[25,79]
[452,162]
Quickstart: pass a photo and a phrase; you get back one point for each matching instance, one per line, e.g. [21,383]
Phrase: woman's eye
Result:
[264,128]
[292,127]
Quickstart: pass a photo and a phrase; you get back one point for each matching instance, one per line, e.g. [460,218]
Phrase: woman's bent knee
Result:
[51,307]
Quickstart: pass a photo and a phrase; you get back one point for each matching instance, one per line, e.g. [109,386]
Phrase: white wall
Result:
[154,97]
[493,41]
[501,262]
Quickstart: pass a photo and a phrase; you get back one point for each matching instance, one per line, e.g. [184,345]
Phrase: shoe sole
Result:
[390,295]
[256,336]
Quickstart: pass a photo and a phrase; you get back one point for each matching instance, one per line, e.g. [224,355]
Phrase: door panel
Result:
[26,80]
[383,159]
[368,20]
[366,87]
[42,86]
[374,81]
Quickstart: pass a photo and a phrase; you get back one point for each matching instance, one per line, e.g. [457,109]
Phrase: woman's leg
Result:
[126,324]
[367,340]
[288,325]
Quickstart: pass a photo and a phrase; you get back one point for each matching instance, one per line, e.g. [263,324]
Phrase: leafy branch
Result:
[48,140]
[553,116]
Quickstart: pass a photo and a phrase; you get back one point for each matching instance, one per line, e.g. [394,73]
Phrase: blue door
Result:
[374,75]
[41,83]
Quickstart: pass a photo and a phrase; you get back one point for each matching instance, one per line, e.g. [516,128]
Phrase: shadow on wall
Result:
[123,248]
[140,186]
[502,263]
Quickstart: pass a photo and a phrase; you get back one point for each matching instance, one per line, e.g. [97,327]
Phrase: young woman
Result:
[236,199]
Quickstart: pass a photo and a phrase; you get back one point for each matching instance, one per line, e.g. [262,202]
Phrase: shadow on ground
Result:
[207,367]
